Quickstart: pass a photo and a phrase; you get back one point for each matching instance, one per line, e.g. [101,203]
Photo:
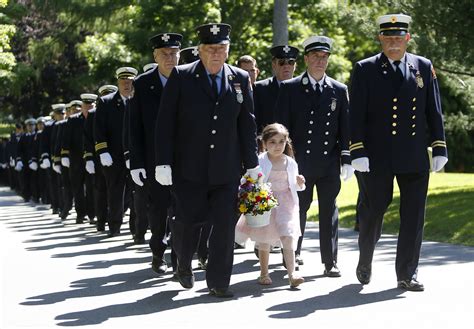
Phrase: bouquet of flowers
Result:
[256,199]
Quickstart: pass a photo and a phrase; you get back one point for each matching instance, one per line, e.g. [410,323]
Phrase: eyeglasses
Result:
[282,62]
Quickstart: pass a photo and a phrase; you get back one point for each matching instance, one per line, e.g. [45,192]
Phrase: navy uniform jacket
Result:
[265,95]
[204,140]
[55,142]
[89,144]
[25,148]
[45,141]
[319,130]
[389,126]
[58,152]
[73,143]
[108,126]
[143,113]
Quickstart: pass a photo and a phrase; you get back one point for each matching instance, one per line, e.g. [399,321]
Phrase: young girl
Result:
[280,169]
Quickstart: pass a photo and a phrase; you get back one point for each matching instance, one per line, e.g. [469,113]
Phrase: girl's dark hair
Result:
[274,129]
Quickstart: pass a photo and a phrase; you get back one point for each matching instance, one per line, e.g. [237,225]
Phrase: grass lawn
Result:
[449,211]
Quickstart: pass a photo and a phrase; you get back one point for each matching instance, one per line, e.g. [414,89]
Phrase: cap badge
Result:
[165,37]
[286,49]
[215,29]
[393,19]
[195,52]
[305,81]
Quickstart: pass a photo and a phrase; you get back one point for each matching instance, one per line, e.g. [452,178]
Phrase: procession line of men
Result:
[172,143]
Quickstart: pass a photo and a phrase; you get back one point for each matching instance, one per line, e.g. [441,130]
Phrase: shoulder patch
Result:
[433,72]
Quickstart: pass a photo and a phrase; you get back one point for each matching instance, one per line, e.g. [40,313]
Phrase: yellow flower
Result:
[263,193]
[242,208]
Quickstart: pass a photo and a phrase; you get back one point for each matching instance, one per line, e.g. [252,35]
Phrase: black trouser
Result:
[44,185]
[54,189]
[158,199]
[139,211]
[66,190]
[13,178]
[378,194]
[327,188]
[100,196]
[34,185]
[115,177]
[202,246]
[198,203]
[25,187]
[77,173]
[90,195]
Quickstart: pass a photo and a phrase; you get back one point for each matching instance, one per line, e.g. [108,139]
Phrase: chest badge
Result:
[238,90]
[333,104]
[305,81]
[419,80]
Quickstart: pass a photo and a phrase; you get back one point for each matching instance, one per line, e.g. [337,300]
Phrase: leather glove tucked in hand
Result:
[65,162]
[346,172]
[45,164]
[57,168]
[106,159]
[163,175]
[135,173]
[439,162]
[255,173]
[90,167]
[4,165]
[361,164]
[127,163]
[19,166]
[33,166]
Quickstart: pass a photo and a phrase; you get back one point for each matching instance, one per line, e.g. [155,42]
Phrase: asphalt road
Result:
[62,274]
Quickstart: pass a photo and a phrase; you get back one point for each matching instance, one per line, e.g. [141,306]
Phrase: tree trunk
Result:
[280,22]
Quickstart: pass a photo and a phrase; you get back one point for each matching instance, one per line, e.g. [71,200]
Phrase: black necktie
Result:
[398,74]
[317,90]
[215,91]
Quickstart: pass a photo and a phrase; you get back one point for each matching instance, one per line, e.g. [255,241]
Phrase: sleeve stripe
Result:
[356,147]
[100,146]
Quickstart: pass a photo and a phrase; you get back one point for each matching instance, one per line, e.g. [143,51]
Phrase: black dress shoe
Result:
[100,227]
[185,278]
[55,211]
[92,221]
[158,265]
[364,273]
[113,233]
[80,220]
[411,285]
[64,214]
[332,271]
[299,260]
[139,240]
[221,292]
[202,263]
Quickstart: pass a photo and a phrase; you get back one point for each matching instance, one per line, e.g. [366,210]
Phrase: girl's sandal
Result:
[265,280]
[295,281]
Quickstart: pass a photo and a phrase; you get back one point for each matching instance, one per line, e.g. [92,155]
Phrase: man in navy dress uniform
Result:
[266,91]
[395,101]
[205,131]
[143,113]
[314,108]
[108,135]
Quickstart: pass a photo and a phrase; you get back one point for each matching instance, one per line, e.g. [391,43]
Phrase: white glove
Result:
[163,175]
[57,168]
[255,173]
[45,164]
[90,167]
[65,162]
[4,165]
[346,172]
[19,166]
[106,159]
[127,163]
[439,162]
[136,176]
[361,164]
[33,166]
[12,162]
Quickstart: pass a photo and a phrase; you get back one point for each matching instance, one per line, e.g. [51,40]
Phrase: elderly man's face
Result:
[166,58]
[394,47]
[213,56]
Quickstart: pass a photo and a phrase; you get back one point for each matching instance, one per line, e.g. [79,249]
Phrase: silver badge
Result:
[152,87]
[238,90]
[240,98]
[419,80]
[333,104]
[305,80]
